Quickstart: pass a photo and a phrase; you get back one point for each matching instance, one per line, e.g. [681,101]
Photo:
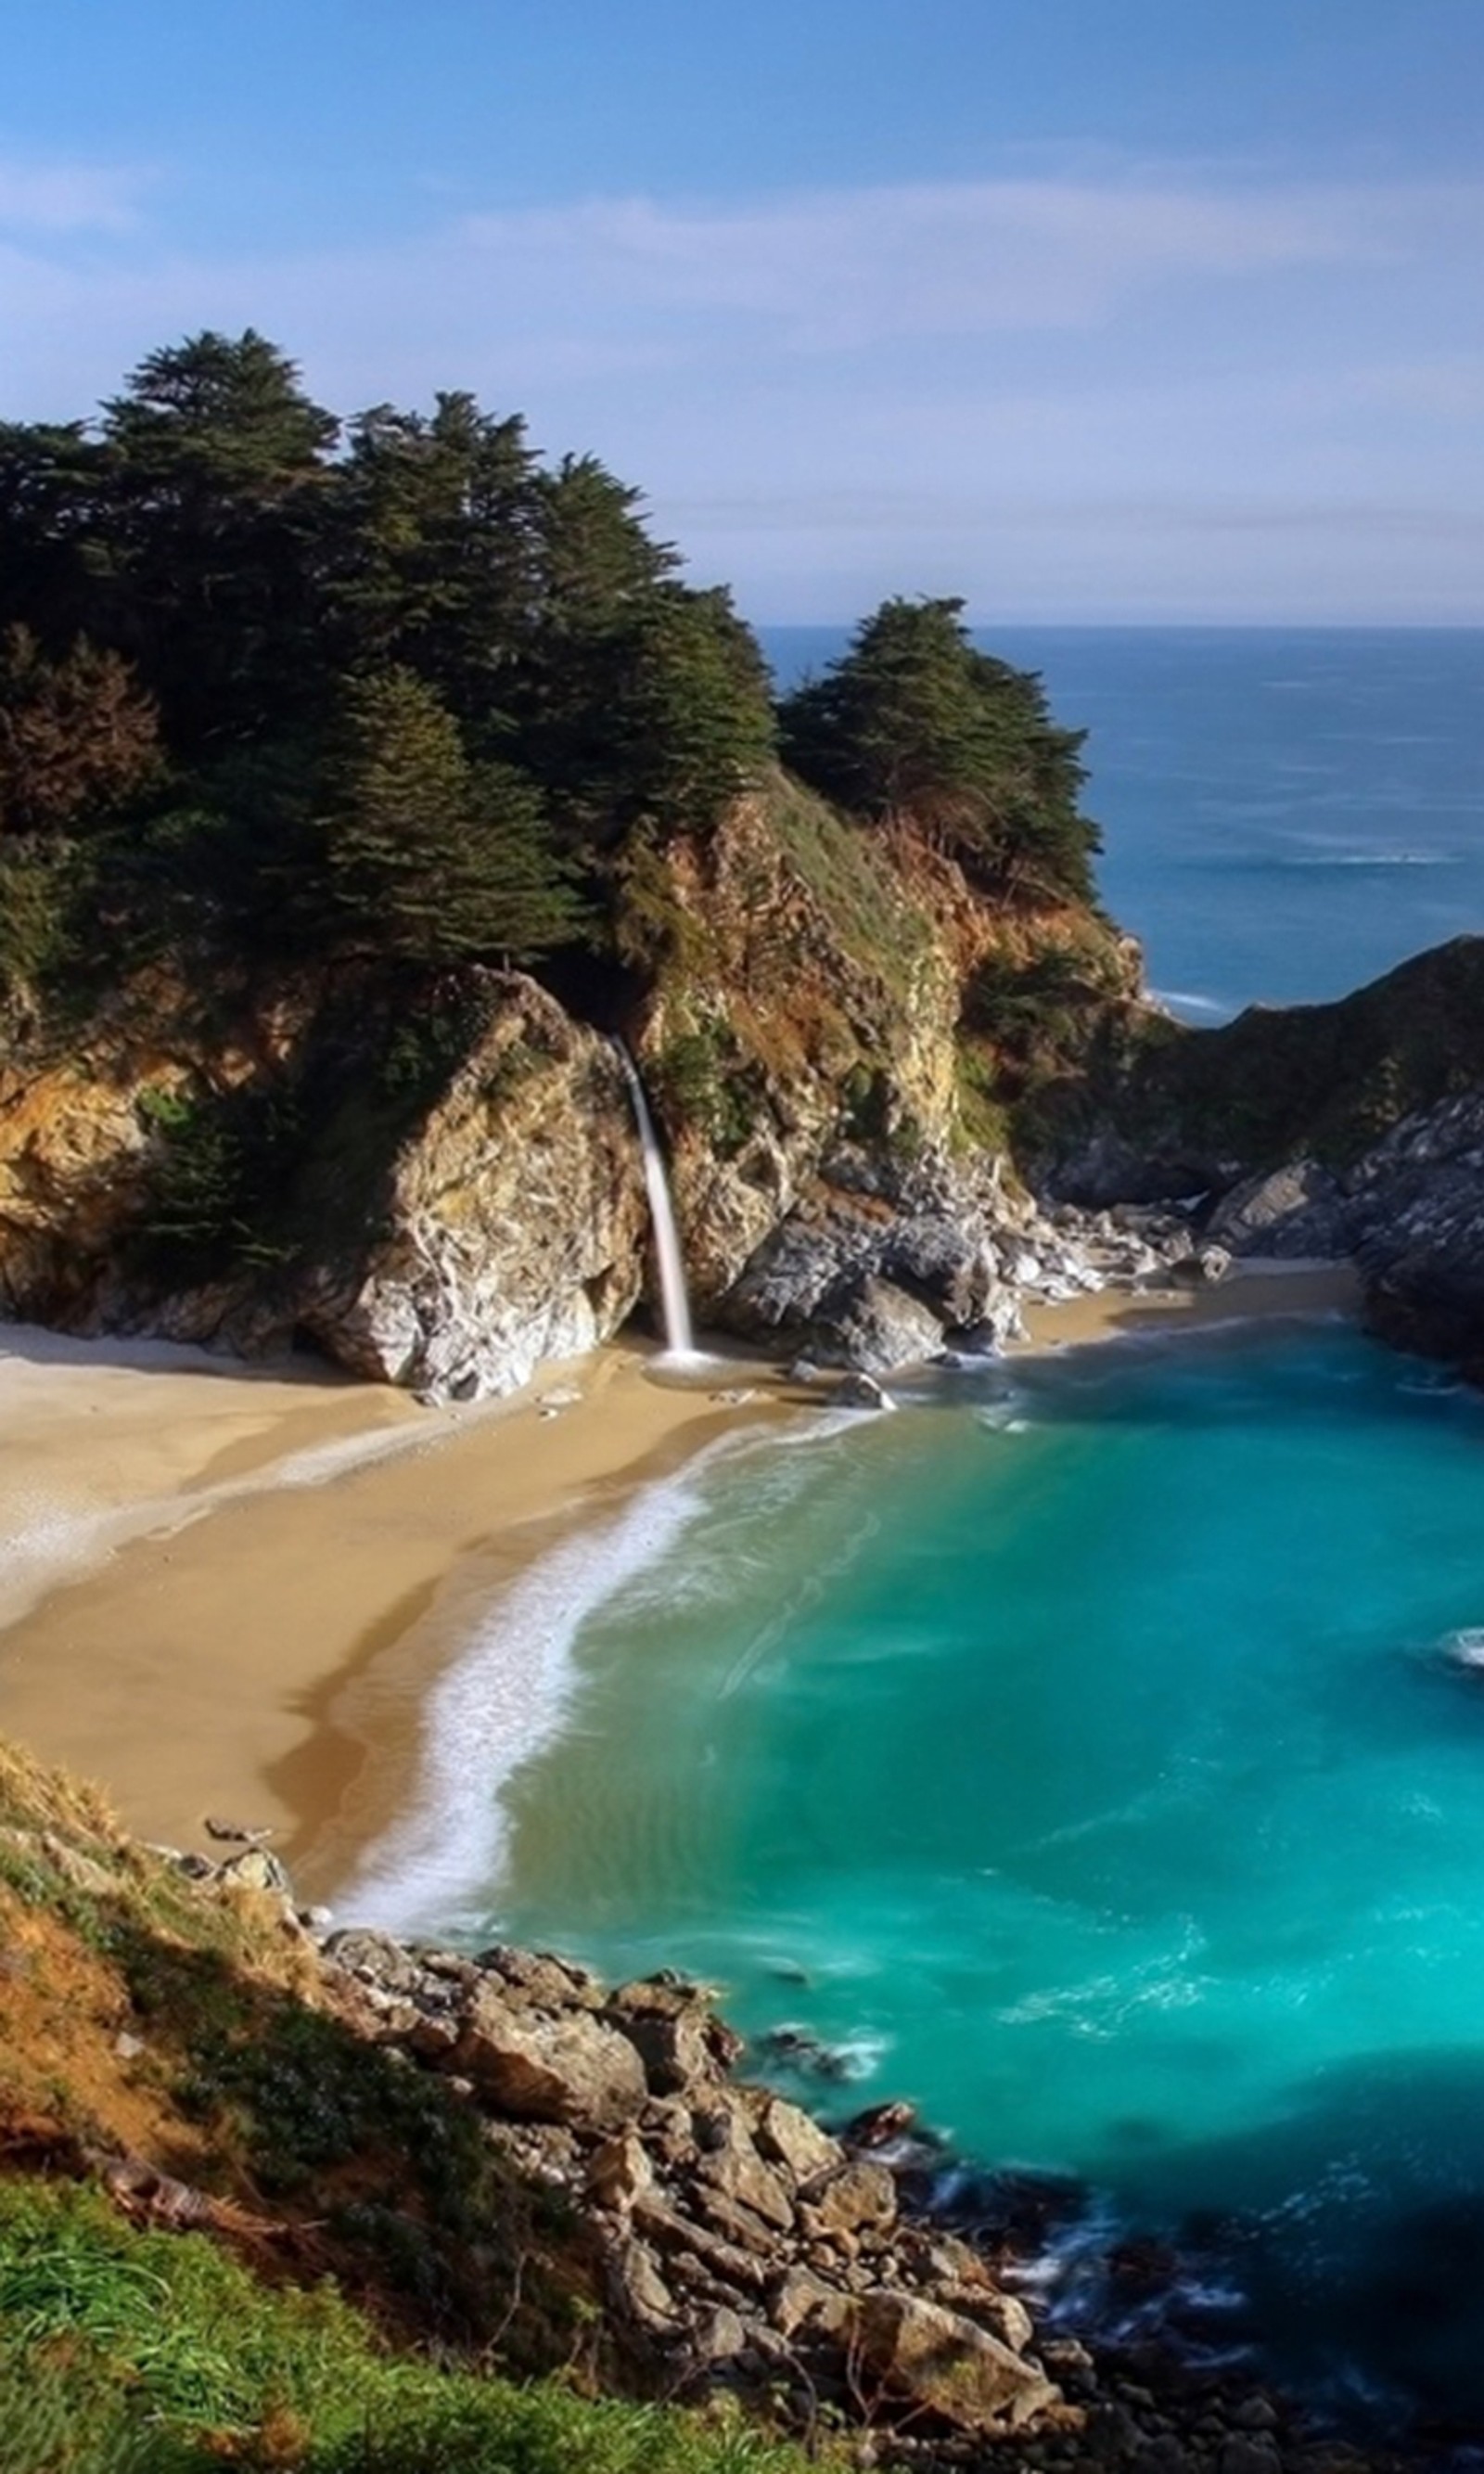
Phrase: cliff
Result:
[1349,1129]
[435,1179]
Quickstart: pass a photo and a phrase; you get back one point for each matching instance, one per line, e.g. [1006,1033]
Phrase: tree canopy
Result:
[275,682]
[914,726]
[394,680]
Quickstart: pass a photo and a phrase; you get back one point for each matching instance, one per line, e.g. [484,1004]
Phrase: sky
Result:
[1087,311]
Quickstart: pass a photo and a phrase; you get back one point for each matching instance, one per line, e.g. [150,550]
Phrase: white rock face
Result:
[515,1222]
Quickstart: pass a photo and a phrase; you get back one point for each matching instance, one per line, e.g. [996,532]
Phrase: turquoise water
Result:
[1087,1754]
[1287,812]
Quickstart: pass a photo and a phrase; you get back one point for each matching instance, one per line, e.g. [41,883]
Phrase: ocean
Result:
[1093,1752]
[1286,813]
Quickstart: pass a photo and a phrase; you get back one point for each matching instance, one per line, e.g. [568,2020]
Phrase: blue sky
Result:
[1086,309]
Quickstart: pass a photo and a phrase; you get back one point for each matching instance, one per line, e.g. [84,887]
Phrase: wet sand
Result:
[228,1593]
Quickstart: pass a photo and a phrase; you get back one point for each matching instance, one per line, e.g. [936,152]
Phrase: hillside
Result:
[335,2205]
[358,781]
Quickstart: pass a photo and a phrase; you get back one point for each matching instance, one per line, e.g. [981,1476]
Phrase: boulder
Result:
[571,2068]
[538,1978]
[732,2168]
[937,2361]
[621,2172]
[787,2135]
[676,2034]
[638,2290]
[861,1392]
[859,2195]
[374,1957]
[1293,1211]
[257,1868]
[801,2299]
[872,1326]
[944,1262]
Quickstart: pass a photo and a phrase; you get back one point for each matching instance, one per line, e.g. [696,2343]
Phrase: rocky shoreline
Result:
[818,2277]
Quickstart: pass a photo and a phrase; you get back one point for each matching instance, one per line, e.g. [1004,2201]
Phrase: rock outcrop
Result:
[511,1223]
[1355,1129]
[743,2244]
[436,1179]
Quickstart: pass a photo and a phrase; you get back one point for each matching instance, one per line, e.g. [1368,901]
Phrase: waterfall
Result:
[674,1301]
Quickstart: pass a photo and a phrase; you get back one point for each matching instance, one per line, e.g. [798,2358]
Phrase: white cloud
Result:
[64,198]
[848,268]
[1183,389]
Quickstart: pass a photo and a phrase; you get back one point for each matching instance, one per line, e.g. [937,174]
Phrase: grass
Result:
[852,877]
[122,2351]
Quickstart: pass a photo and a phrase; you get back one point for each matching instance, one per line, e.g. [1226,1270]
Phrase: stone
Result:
[802,2299]
[861,1392]
[621,2172]
[637,2288]
[432,2035]
[989,2307]
[718,2335]
[374,1957]
[1248,2453]
[540,1978]
[665,2226]
[257,1868]
[943,1261]
[872,1326]
[510,1227]
[859,2195]
[570,2068]
[881,2125]
[1299,1210]
[675,2032]
[733,2168]
[792,2138]
[935,2359]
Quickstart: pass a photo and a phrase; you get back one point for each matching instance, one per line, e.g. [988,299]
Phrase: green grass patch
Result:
[123,2352]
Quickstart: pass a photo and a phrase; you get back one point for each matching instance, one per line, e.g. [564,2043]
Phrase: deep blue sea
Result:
[1092,1751]
[1286,812]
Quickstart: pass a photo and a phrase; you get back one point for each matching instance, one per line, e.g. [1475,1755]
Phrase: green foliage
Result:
[220,1161]
[855,884]
[433,859]
[1286,1082]
[701,1081]
[404,695]
[39,884]
[131,2353]
[913,726]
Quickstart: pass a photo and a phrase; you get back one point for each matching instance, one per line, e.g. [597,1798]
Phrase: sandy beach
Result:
[226,1591]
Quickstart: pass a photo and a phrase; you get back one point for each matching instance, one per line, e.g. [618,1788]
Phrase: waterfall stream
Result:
[674,1302]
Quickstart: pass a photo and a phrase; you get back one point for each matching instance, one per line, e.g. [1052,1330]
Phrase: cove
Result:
[1090,1754]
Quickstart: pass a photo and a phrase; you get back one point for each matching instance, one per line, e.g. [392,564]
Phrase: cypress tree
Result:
[432,859]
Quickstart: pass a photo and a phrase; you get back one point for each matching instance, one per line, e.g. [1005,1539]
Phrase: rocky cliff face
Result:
[439,1182]
[511,1224]
[1352,1128]
[450,1247]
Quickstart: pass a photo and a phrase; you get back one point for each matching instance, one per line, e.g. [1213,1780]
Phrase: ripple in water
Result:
[1091,1793]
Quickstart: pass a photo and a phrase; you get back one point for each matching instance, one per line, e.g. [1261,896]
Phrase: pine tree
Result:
[913,726]
[217,480]
[432,859]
